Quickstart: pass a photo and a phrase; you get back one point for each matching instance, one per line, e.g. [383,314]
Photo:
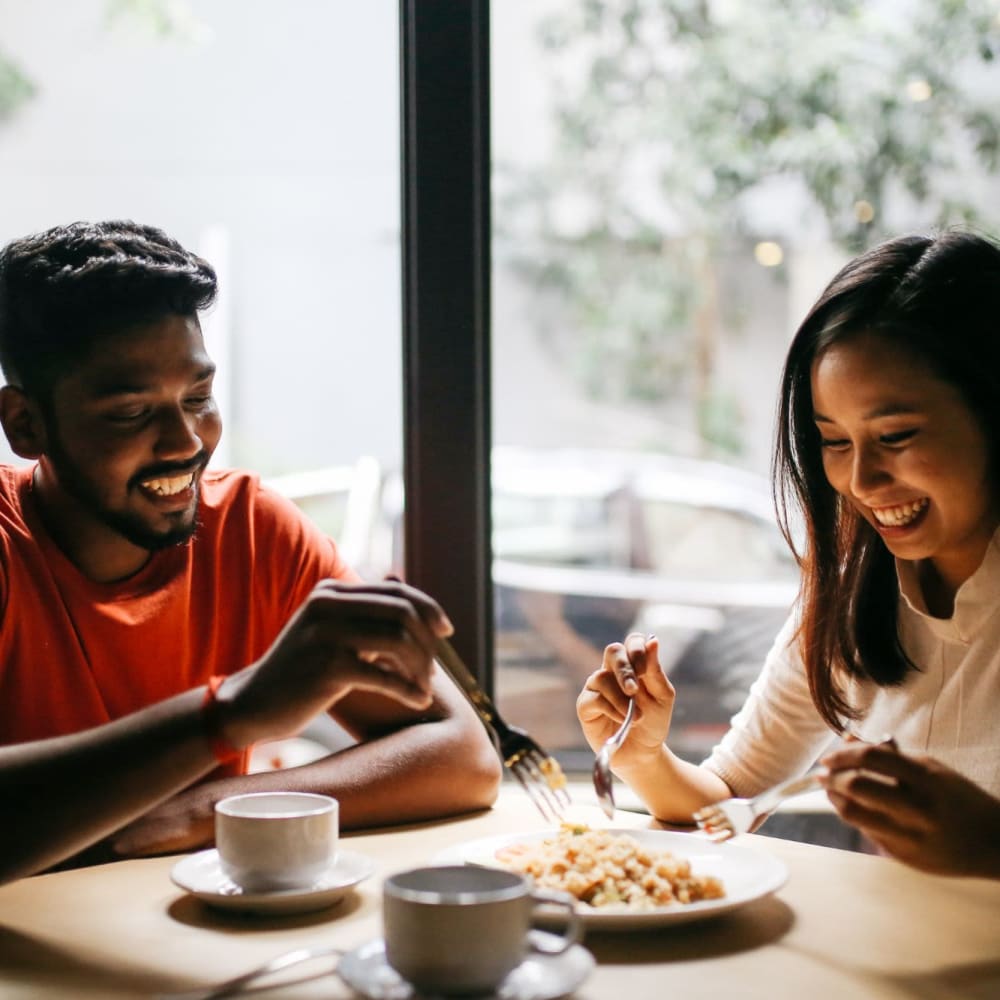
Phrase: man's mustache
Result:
[166,469]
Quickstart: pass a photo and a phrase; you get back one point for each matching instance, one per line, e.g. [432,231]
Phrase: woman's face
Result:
[901,445]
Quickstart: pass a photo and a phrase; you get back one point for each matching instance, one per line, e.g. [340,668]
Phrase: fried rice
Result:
[602,868]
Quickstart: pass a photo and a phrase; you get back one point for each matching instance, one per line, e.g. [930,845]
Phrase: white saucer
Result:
[201,874]
[538,977]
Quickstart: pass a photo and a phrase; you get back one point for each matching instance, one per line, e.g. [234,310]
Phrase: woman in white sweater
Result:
[888,444]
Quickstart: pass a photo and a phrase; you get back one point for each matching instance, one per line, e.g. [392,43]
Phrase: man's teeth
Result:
[169,485]
[896,517]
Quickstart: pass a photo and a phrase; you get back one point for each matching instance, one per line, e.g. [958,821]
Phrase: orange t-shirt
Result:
[75,654]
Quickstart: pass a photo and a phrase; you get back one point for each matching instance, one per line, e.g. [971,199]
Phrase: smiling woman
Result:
[901,345]
[903,447]
[888,448]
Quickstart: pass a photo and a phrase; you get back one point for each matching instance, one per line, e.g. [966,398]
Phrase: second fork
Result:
[725,819]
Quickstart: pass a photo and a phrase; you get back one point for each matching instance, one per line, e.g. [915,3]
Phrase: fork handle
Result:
[617,738]
[239,983]
[794,786]
[482,703]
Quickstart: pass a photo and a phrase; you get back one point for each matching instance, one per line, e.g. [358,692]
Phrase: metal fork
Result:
[602,763]
[538,772]
[725,819]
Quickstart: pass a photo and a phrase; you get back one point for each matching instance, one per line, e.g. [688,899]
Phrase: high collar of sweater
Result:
[975,601]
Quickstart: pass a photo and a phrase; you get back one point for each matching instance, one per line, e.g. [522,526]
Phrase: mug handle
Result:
[556,944]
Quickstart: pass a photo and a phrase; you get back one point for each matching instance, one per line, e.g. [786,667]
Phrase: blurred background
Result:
[674,181]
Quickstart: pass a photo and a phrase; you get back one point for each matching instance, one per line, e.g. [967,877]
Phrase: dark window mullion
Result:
[446,313]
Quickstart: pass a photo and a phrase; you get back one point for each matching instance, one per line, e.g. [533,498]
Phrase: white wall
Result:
[280,126]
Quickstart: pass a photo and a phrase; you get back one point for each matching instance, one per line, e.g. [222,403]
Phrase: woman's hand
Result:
[916,809]
[630,669]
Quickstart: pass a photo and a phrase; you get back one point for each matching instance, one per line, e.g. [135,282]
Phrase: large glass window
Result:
[673,184]
[266,136]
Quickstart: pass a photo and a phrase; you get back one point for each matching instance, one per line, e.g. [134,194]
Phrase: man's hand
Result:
[185,822]
[916,809]
[344,637]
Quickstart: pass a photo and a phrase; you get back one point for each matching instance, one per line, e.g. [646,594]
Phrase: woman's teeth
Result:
[896,517]
[169,485]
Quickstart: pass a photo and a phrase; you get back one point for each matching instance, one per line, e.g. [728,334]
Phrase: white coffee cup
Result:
[461,929]
[274,841]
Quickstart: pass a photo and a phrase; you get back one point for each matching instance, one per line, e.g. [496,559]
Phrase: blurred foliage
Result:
[164,18]
[15,87]
[173,19]
[674,118]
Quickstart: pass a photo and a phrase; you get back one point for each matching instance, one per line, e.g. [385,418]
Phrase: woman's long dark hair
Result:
[939,299]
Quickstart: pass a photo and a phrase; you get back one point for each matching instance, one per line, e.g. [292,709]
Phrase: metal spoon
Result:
[602,765]
[231,987]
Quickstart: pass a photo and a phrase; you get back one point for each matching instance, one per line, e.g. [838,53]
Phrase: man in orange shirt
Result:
[156,618]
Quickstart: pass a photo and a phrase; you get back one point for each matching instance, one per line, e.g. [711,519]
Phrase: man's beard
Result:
[131,527]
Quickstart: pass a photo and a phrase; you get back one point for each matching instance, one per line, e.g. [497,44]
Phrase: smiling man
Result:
[158,618]
[123,446]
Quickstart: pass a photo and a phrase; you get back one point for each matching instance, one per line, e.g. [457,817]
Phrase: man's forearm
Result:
[421,771]
[68,792]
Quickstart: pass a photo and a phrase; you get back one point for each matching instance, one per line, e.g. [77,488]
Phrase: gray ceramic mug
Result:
[462,928]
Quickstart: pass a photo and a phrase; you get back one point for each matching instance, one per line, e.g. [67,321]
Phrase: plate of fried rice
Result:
[627,878]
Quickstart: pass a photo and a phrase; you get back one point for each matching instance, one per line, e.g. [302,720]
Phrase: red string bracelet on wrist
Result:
[223,751]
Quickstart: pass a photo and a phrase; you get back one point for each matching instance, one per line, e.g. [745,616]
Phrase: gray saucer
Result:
[538,977]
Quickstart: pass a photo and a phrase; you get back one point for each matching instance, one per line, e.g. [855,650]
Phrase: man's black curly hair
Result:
[62,290]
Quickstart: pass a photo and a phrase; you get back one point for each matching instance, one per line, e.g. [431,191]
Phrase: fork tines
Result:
[538,772]
[729,817]
[715,823]
[542,778]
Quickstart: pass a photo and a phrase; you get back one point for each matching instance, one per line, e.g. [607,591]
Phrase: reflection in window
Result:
[674,183]
[266,136]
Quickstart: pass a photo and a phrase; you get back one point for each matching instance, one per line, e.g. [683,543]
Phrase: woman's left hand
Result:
[916,809]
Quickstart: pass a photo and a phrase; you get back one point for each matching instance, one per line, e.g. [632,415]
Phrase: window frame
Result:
[446,302]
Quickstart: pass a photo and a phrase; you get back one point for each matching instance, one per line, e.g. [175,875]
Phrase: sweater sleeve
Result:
[778,733]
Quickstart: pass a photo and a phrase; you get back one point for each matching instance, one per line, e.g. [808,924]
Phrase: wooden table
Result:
[846,925]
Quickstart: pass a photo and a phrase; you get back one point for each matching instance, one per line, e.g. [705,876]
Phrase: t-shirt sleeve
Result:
[778,733]
[298,552]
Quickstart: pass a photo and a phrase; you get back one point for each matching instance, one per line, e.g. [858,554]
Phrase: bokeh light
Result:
[768,253]
[864,211]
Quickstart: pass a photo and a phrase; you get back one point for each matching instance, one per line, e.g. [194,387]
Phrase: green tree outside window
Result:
[672,116]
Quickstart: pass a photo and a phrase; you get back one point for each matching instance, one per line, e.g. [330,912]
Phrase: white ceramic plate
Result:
[202,876]
[746,875]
